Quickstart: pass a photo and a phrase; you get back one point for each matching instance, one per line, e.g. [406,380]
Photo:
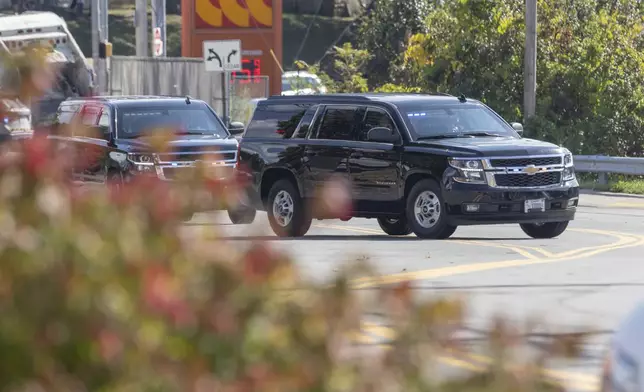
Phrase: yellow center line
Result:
[515,249]
[622,243]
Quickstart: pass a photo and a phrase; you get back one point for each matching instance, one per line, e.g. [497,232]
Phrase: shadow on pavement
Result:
[323,238]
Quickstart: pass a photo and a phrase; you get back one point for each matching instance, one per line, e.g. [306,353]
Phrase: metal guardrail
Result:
[603,165]
[606,164]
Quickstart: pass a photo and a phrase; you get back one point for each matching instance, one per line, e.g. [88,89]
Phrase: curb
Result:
[610,194]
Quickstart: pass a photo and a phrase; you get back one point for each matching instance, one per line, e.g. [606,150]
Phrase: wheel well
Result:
[413,179]
[270,177]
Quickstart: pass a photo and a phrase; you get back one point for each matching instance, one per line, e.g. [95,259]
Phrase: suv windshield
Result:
[428,121]
[137,122]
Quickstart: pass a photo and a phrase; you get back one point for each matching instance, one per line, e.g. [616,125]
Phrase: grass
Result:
[324,32]
[618,184]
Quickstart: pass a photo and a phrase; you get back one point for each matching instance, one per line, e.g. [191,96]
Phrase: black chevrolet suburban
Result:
[119,152]
[417,163]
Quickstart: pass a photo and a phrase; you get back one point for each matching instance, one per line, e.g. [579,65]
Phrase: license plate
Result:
[537,205]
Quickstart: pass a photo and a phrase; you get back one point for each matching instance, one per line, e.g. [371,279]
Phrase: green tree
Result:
[384,32]
[347,70]
[590,69]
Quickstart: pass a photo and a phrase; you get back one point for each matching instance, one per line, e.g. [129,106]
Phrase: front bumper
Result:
[226,182]
[503,206]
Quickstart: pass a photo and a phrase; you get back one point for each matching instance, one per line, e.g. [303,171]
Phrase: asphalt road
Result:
[588,278]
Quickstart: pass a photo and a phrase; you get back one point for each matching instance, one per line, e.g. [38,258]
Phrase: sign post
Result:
[158,28]
[225,57]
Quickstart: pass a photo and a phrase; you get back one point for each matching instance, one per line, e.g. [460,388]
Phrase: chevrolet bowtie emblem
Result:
[531,170]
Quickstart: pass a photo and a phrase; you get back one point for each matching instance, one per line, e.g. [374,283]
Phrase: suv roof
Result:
[138,100]
[367,97]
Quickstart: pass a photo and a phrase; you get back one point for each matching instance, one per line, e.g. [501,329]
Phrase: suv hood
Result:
[494,146]
[188,142]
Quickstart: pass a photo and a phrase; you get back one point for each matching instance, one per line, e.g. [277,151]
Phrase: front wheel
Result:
[394,226]
[242,215]
[425,213]
[544,230]
[287,211]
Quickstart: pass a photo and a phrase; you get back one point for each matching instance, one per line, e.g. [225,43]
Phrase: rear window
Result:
[275,121]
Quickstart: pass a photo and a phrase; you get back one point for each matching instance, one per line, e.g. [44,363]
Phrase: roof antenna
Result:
[187,99]
[462,98]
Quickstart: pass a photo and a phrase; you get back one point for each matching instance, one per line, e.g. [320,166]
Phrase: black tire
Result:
[432,223]
[545,230]
[300,218]
[242,215]
[394,226]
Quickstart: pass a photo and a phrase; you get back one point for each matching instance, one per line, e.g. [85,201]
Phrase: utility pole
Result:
[530,60]
[141,26]
[95,41]
[99,34]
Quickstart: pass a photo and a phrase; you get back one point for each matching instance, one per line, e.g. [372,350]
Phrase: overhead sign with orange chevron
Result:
[230,14]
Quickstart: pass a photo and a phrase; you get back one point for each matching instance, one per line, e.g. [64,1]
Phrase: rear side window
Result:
[275,121]
[338,123]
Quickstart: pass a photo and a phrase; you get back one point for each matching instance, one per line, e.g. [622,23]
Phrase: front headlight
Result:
[470,170]
[141,159]
[569,169]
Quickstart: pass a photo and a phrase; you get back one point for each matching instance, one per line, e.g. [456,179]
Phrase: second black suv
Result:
[418,163]
[118,151]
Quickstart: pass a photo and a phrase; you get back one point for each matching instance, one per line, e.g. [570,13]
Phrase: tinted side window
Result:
[338,123]
[303,129]
[275,121]
[375,118]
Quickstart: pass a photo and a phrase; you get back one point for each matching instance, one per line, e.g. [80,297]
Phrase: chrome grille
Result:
[526,161]
[524,172]
[173,165]
[173,173]
[229,156]
[524,180]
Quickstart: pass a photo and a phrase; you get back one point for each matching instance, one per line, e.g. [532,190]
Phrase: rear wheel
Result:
[287,211]
[394,226]
[425,213]
[544,230]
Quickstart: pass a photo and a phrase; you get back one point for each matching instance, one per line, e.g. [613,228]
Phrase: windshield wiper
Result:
[189,133]
[481,134]
[434,137]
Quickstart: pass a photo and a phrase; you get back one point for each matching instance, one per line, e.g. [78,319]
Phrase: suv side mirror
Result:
[518,127]
[236,128]
[382,135]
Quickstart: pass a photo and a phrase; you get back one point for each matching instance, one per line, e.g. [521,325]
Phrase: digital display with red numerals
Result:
[251,71]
